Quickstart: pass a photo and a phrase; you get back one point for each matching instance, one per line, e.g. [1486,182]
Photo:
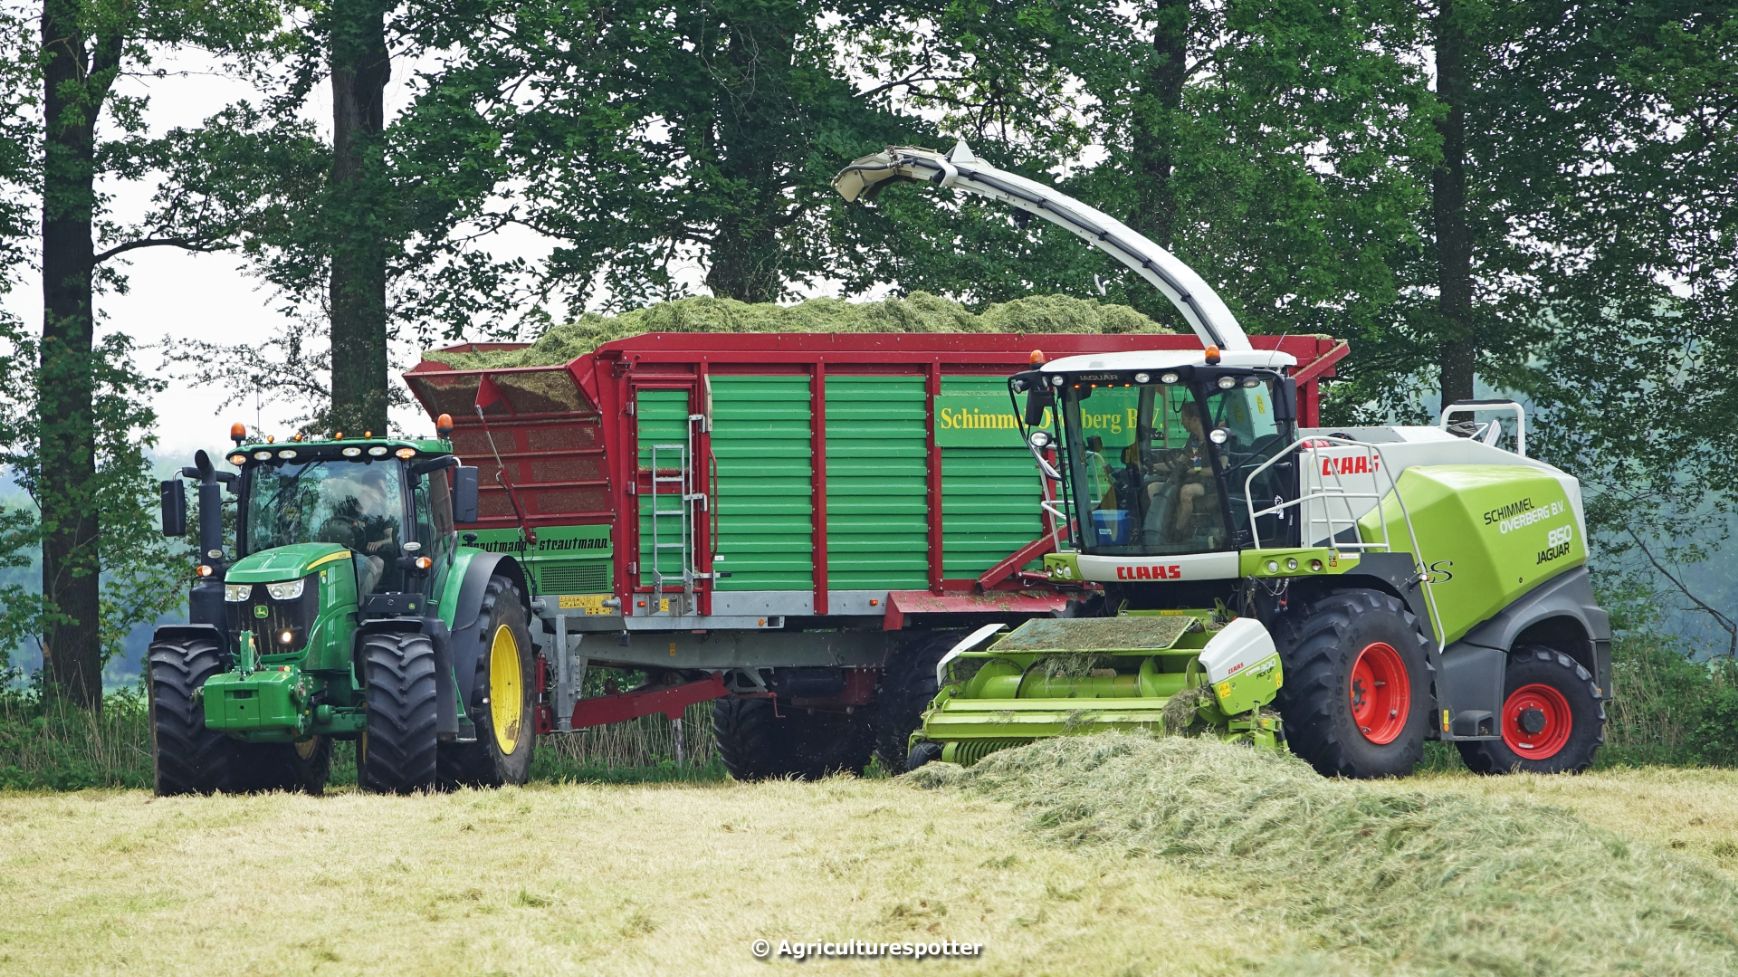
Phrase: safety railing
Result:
[1316,509]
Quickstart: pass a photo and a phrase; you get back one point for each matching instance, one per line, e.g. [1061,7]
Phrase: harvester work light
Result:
[288,590]
[378,451]
[352,452]
[236,593]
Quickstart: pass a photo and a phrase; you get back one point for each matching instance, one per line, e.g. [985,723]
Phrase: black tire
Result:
[489,761]
[397,752]
[1530,666]
[922,754]
[187,757]
[907,688]
[757,740]
[301,767]
[1320,643]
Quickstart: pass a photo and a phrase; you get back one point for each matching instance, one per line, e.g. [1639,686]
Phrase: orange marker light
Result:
[1212,354]
[203,570]
[444,425]
[238,432]
[337,435]
[1037,358]
[423,563]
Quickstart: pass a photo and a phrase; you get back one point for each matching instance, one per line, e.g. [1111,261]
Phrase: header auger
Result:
[1348,592]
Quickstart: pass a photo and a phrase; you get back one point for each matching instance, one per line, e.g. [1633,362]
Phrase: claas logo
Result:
[1167,572]
[1351,465]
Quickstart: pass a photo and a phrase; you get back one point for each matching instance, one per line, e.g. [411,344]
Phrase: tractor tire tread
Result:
[399,688]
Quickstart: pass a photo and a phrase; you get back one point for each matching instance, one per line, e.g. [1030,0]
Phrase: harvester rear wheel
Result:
[1552,718]
[1356,696]
[757,741]
[397,752]
[907,687]
[188,758]
[300,766]
[504,706]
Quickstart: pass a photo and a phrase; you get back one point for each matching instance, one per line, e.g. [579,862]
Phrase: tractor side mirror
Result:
[174,507]
[465,494]
[1285,404]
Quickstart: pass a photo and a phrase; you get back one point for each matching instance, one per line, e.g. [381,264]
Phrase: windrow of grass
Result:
[918,312]
[1402,881]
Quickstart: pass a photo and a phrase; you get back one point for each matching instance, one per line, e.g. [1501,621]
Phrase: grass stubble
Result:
[1085,855]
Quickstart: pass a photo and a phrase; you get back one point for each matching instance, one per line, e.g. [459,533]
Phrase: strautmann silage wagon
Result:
[796,525]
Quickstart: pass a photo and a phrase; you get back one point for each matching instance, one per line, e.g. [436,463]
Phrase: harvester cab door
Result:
[673,495]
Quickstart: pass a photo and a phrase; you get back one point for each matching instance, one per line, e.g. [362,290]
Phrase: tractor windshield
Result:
[355,504]
[1159,469]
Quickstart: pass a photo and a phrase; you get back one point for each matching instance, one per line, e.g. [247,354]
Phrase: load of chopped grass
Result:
[1405,881]
[919,312]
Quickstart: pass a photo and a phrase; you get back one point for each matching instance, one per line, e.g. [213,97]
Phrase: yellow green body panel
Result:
[1487,534]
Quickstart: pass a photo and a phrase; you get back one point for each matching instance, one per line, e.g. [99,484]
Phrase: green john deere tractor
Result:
[1350,592]
[344,608]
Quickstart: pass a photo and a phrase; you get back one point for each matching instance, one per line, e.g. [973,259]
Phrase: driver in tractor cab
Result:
[360,498]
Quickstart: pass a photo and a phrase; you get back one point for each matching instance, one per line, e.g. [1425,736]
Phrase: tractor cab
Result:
[1161,452]
[381,509]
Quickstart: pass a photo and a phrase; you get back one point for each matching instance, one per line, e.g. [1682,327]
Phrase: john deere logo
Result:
[261,611]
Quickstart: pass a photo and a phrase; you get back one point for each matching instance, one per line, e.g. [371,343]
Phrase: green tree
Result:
[89,130]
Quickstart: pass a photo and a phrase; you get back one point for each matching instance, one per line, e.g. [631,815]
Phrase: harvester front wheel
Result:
[907,688]
[1356,696]
[505,712]
[758,741]
[397,752]
[188,758]
[1552,719]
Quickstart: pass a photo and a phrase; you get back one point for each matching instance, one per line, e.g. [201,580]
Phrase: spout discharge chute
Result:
[1201,307]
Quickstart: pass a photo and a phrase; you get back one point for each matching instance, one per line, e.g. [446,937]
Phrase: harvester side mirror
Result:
[1285,407]
[174,507]
[465,494]
[1038,403]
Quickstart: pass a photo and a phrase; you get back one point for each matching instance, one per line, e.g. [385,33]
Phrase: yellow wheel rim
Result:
[506,692]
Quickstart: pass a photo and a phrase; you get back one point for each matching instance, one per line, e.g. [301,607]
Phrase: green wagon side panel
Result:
[762,440]
[877,483]
[989,485]
[662,419]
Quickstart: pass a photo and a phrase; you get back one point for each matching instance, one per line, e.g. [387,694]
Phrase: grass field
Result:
[1100,856]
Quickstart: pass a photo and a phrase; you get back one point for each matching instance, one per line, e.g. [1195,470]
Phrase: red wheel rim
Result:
[1537,721]
[1380,692]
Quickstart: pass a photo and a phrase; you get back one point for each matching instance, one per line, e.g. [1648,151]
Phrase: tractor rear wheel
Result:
[907,687]
[301,766]
[188,758]
[397,752]
[504,707]
[1552,719]
[757,740]
[1356,694]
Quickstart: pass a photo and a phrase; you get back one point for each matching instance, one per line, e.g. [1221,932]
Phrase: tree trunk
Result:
[1157,105]
[1457,342]
[72,640]
[361,65]
[756,122]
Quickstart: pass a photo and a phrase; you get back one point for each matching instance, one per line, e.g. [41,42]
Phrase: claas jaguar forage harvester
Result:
[1349,592]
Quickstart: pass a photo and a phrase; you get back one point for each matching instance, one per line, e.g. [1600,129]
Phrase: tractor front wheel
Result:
[504,706]
[1356,696]
[188,758]
[1552,719]
[397,752]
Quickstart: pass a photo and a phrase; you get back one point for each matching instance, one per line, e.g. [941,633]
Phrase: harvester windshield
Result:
[1158,468]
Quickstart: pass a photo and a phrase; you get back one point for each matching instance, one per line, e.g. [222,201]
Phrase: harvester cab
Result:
[1349,592]
[338,604]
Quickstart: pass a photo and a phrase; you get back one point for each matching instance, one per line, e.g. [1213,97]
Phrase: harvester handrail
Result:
[1340,494]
